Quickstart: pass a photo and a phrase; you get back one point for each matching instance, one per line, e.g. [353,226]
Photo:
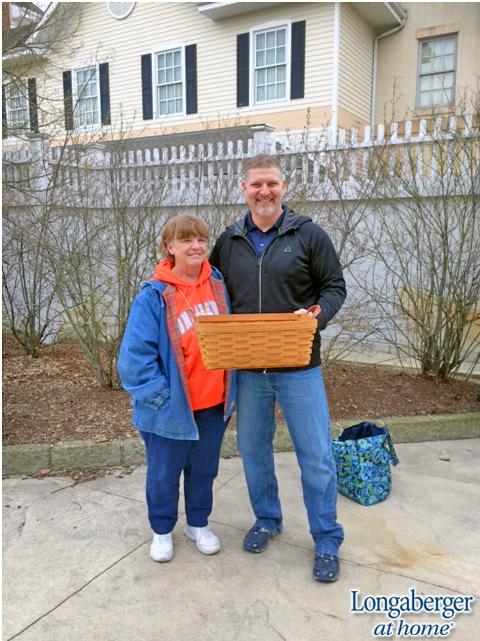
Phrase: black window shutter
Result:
[147,97]
[67,99]
[243,71]
[191,77]
[4,113]
[104,93]
[297,68]
[32,104]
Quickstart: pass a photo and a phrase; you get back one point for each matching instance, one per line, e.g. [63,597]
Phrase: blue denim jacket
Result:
[149,371]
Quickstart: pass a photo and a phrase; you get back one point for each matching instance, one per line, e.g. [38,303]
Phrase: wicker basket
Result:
[251,341]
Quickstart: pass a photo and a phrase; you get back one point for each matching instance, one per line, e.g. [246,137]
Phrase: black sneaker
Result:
[256,539]
[326,568]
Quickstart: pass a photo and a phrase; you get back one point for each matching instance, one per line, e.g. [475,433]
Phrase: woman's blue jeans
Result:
[168,457]
[301,396]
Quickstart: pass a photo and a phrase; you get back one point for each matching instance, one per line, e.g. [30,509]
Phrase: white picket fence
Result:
[202,173]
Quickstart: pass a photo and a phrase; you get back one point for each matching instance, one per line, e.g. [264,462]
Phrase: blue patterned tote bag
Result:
[363,454]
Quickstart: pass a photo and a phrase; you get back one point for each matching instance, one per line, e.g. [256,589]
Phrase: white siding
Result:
[356,61]
[122,42]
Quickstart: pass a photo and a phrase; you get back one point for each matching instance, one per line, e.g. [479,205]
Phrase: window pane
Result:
[178,74]
[448,80]
[281,73]
[163,108]
[425,83]
[260,93]
[424,99]
[260,59]
[426,67]
[169,75]
[170,91]
[178,106]
[280,55]
[449,62]
[281,90]
[178,90]
[261,76]
[161,77]
[271,75]
[260,41]
[437,98]
[437,46]
[270,60]
[438,64]
[271,92]
[177,58]
[281,37]
[270,38]
[450,45]
[163,93]
[426,51]
[169,59]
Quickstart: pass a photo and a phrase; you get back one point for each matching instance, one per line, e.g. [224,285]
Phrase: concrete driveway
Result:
[76,564]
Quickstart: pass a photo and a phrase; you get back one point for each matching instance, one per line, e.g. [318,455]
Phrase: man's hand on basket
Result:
[312,311]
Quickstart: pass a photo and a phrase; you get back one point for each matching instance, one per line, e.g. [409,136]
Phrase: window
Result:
[271,63]
[436,80]
[169,82]
[270,70]
[86,96]
[17,107]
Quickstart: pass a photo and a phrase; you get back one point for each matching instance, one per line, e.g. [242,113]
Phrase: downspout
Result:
[336,67]
[402,18]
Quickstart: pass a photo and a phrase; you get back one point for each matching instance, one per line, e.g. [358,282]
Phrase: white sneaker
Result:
[161,547]
[207,542]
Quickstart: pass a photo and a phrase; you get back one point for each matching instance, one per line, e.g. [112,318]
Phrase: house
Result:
[160,68]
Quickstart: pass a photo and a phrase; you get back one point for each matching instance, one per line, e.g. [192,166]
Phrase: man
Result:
[276,261]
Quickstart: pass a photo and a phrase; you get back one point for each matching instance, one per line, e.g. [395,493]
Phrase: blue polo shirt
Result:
[262,239]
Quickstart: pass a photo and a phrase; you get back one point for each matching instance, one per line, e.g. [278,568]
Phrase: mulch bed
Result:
[56,397]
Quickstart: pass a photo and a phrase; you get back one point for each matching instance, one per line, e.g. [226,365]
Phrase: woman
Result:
[180,408]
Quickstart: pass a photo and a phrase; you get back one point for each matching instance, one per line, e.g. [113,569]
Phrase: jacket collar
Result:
[291,220]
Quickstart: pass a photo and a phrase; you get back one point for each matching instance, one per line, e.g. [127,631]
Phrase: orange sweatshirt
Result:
[206,388]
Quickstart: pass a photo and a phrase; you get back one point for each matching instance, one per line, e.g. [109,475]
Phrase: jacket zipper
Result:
[259,263]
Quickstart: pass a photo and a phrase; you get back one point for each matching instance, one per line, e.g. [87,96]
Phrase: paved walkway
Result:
[76,565]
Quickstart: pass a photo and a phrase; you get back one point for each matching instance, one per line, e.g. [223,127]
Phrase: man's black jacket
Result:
[299,268]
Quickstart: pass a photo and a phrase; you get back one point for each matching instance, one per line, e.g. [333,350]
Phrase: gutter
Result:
[400,15]
[336,68]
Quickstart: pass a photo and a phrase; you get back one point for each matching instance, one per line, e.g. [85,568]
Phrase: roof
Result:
[381,15]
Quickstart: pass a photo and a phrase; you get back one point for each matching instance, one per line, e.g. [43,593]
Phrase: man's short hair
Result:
[262,161]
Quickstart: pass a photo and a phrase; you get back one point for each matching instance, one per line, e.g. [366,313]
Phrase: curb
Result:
[21,460]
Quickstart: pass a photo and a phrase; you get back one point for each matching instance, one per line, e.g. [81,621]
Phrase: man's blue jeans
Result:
[301,396]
